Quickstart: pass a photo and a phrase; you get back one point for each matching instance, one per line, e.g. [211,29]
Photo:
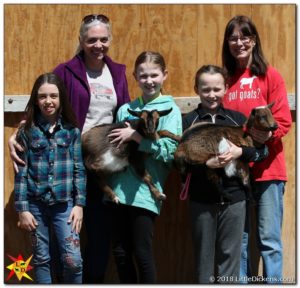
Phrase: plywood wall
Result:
[38,37]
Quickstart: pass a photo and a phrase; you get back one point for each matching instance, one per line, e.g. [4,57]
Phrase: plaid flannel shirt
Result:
[54,170]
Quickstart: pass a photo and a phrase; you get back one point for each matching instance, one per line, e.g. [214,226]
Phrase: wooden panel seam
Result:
[18,103]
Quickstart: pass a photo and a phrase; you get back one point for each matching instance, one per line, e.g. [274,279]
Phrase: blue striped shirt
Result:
[54,170]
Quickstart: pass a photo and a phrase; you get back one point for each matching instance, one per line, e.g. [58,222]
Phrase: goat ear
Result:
[164,112]
[270,105]
[250,120]
[134,113]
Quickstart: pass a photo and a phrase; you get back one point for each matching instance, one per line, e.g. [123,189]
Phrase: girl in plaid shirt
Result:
[50,188]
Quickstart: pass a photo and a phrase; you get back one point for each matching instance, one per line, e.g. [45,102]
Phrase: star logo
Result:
[19,267]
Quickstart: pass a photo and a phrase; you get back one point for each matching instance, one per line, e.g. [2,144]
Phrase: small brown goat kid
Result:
[202,141]
[103,158]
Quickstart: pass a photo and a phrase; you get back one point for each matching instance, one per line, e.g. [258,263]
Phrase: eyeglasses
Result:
[235,39]
[92,17]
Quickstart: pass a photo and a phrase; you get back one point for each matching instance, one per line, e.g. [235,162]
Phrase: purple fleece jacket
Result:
[73,74]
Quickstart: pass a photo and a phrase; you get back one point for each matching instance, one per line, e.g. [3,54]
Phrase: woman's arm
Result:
[277,93]
[79,177]
[21,179]
[14,148]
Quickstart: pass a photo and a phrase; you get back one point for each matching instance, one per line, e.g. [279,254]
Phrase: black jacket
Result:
[201,189]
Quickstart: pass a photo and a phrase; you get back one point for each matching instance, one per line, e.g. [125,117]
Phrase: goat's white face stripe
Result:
[113,163]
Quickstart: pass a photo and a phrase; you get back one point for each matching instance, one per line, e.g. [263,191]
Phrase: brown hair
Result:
[210,69]
[247,28]
[65,110]
[150,56]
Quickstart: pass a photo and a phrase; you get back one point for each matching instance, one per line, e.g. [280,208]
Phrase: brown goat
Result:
[104,158]
[203,141]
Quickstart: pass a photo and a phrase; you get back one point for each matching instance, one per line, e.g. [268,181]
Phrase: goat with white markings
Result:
[203,141]
[104,158]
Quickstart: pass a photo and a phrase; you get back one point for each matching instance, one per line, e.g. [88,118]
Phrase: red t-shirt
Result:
[248,91]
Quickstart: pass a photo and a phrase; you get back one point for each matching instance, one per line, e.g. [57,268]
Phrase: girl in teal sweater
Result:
[133,219]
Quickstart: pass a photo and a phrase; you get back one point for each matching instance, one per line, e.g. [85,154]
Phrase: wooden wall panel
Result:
[39,36]
[211,24]
[276,24]
[187,35]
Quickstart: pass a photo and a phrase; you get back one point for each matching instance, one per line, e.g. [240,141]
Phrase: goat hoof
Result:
[162,197]
[116,200]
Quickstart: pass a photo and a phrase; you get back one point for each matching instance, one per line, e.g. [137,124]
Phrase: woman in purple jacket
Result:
[97,87]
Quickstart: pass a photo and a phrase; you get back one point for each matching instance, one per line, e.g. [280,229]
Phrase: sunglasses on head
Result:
[92,17]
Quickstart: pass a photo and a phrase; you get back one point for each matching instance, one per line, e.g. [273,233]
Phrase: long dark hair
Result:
[65,110]
[247,27]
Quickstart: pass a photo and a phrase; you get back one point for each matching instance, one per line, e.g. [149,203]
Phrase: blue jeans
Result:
[269,209]
[67,241]
[245,263]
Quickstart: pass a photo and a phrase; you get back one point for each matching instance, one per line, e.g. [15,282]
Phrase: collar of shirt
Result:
[204,113]
[45,125]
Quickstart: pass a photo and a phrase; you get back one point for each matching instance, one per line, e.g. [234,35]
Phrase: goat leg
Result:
[155,192]
[139,167]
[166,133]
[243,173]
[111,195]
[106,189]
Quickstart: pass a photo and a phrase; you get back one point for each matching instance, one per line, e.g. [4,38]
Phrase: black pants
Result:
[132,234]
[97,226]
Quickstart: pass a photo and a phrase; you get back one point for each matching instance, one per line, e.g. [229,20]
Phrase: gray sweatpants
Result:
[217,236]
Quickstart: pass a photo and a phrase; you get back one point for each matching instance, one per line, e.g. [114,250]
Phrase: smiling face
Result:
[150,78]
[211,89]
[241,47]
[95,44]
[48,101]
